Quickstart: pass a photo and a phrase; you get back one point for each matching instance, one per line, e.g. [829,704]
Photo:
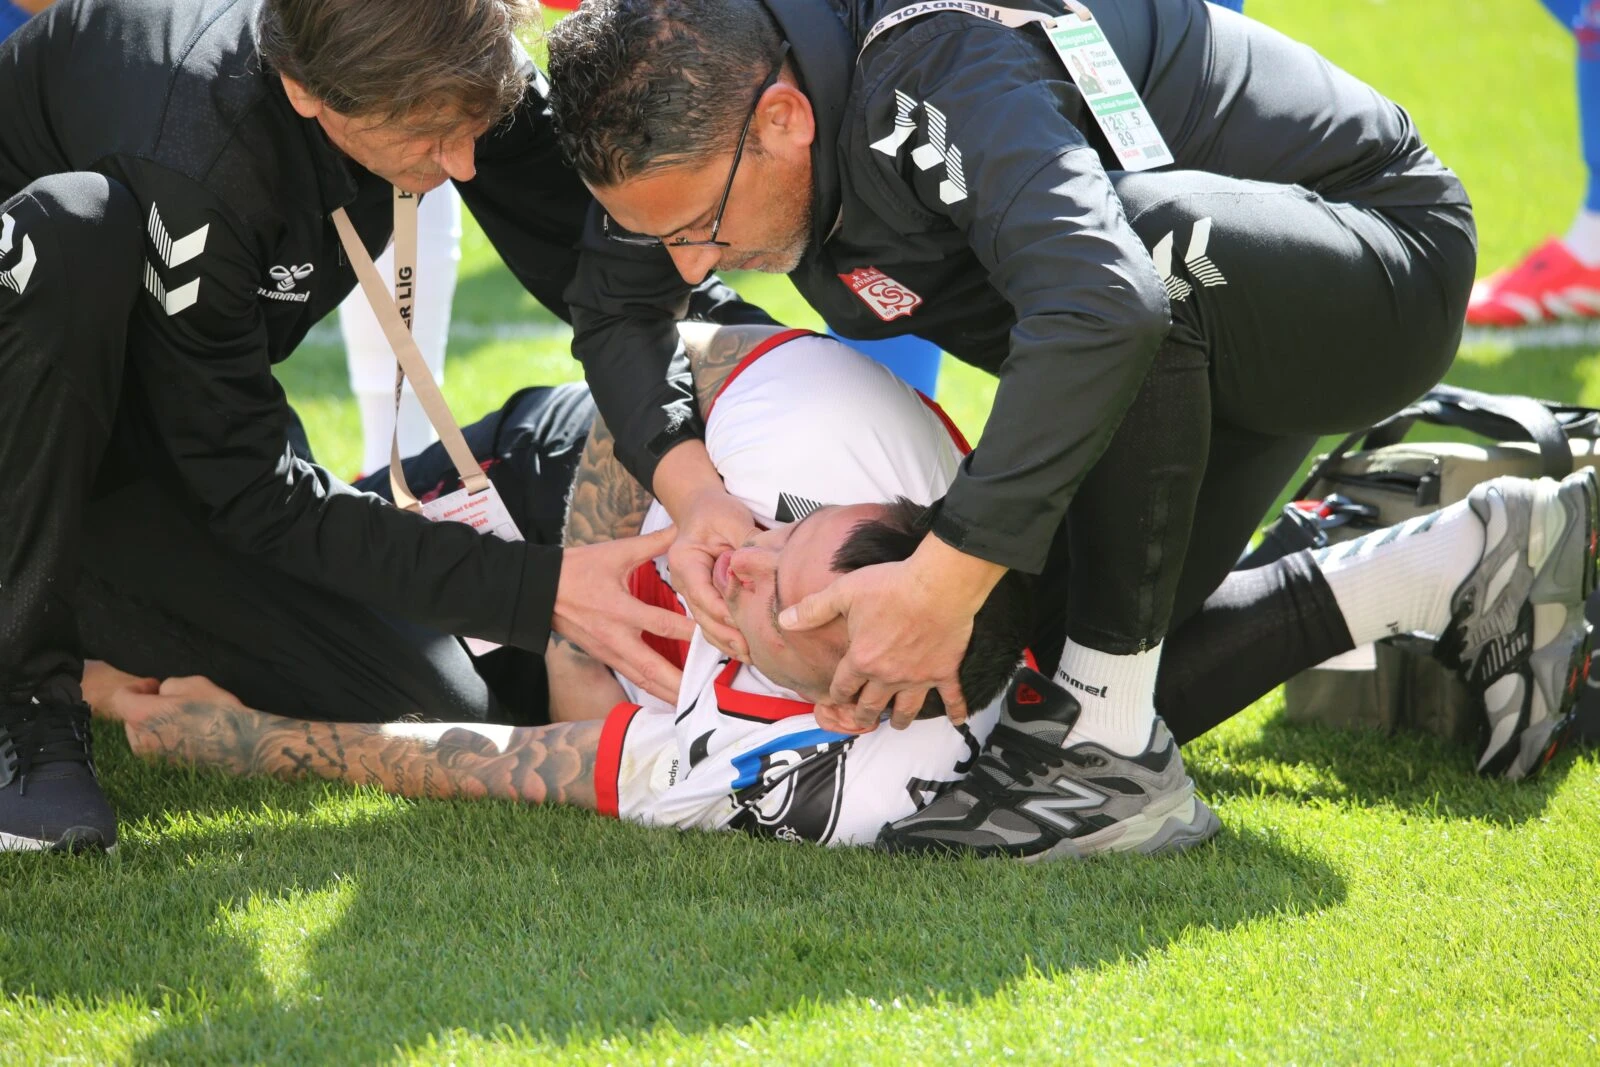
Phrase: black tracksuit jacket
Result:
[1028,268]
[171,99]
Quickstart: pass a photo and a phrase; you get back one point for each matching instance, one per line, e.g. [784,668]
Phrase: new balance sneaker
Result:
[1517,633]
[1551,285]
[50,798]
[1030,798]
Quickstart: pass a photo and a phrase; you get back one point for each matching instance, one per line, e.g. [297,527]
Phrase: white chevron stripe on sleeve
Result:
[175,253]
[16,278]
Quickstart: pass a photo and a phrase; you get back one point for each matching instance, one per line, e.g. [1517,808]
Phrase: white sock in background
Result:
[370,357]
[1117,693]
[1583,240]
[377,424]
[1400,579]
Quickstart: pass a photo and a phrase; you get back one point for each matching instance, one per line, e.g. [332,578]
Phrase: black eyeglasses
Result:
[627,237]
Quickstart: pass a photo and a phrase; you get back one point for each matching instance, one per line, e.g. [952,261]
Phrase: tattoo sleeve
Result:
[715,351]
[606,503]
[527,764]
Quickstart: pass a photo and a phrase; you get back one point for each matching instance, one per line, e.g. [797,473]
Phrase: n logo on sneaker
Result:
[1056,810]
[16,276]
[172,254]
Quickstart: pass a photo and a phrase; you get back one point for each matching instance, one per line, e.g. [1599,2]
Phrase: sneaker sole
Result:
[76,841]
[1536,708]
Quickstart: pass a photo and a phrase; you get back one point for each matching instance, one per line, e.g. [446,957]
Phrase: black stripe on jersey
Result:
[792,508]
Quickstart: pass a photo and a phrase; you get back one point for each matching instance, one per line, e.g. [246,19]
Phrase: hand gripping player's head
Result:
[688,123]
[783,566]
[404,90]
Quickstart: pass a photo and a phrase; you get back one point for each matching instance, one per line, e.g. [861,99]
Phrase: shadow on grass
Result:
[485,917]
[1407,770]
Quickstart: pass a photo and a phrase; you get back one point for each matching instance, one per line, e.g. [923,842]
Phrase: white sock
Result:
[1400,579]
[1117,694]
[1583,240]
[377,424]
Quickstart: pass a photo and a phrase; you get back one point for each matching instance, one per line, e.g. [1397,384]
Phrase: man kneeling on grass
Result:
[812,437]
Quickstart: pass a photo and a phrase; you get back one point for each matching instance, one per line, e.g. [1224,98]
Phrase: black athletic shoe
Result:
[1029,798]
[49,796]
[1518,637]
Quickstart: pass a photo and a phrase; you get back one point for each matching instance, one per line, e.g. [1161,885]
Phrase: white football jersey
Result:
[803,421]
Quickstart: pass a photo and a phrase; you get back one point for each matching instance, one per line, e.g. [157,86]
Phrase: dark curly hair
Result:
[641,84]
[1000,630]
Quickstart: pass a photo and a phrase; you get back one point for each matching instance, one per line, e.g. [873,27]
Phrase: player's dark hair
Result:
[643,84]
[421,62]
[1000,630]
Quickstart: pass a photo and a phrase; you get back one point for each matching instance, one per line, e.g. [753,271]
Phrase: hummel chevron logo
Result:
[937,149]
[1195,259]
[16,278]
[180,299]
[173,253]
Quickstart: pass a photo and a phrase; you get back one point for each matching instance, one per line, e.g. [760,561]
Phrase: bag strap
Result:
[1499,418]
[1490,415]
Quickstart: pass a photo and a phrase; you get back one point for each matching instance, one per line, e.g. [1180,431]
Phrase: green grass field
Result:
[1369,900]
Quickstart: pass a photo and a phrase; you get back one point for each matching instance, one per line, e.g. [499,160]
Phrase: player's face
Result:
[776,569]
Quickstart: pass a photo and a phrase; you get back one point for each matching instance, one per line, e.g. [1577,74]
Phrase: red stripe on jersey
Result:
[608,761]
[756,353]
[647,585]
[956,435]
[755,706]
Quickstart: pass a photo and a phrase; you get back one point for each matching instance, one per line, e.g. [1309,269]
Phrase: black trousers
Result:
[1293,317]
[104,553]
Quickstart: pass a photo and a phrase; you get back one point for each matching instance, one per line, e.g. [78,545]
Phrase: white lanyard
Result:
[1089,60]
[1006,16]
[408,358]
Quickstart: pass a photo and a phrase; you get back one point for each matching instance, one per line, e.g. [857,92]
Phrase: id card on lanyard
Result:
[477,503]
[1089,61]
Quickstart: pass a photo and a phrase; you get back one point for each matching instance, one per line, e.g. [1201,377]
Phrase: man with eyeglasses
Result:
[1182,270]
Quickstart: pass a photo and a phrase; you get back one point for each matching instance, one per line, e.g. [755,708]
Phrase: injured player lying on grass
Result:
[801,428]
[796,421]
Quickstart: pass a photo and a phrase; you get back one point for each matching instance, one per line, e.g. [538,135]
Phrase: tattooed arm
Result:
[192,721]
[606,503]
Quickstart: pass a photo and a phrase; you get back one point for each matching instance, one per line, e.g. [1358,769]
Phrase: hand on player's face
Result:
[780,567]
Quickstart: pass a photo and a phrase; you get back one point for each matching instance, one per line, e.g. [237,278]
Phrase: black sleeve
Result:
[626,303]
[199,342]
[1041,216]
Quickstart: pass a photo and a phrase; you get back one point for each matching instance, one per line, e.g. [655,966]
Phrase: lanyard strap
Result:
[405,303]
[1006,16]
[408,357]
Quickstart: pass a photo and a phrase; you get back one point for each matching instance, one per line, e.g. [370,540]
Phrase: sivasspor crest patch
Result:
[886,297]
